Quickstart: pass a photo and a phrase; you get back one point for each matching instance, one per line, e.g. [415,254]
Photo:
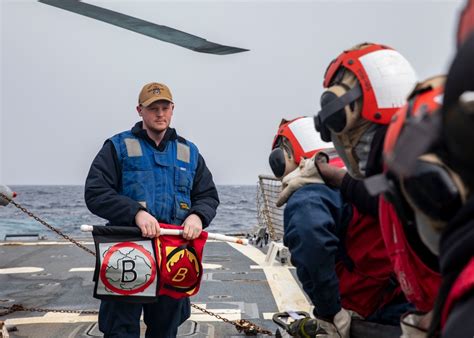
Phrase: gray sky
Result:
[69,82]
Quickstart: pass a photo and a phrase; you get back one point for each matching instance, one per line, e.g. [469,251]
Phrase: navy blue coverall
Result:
[315,218]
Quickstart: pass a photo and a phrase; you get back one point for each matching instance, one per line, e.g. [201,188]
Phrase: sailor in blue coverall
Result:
[143,177]
[314,220]
[316,266]
[327,237]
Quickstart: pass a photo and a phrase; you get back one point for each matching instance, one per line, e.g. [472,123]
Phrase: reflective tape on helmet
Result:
[304,132]
[389,64]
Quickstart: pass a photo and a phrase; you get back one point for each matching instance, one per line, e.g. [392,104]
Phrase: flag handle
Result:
[176,232]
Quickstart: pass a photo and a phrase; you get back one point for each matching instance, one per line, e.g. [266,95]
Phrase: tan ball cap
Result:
[152,92]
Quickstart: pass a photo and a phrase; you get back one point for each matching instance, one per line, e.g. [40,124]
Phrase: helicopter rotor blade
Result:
[159,32]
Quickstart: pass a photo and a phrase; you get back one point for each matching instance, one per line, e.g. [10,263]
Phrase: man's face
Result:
[157,116]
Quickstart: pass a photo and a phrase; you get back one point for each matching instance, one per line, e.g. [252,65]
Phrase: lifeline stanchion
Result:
[4,190]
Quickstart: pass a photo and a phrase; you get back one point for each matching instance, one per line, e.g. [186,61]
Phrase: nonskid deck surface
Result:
[237,284]
[60,277]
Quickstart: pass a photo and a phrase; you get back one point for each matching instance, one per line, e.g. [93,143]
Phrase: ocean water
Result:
[64,207]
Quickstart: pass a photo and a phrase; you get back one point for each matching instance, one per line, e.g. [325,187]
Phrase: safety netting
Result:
[269,216]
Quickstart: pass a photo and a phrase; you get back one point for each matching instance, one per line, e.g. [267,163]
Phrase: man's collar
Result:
[170,135]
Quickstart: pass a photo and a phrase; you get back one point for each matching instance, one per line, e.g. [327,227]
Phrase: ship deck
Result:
[237,284]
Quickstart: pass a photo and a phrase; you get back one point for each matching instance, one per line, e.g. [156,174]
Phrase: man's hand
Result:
[306,173]
[331,175]
[147,224]
[192,227]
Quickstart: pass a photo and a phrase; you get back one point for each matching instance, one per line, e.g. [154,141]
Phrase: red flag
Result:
[180,263]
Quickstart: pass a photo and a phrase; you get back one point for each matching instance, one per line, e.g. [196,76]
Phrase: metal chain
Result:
[242,325]
[29,213]
[251,329]
[10,309]
[19,307]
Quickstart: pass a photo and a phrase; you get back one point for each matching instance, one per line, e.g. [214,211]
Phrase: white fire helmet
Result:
[366,85]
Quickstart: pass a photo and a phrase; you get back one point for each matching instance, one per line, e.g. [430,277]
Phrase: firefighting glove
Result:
[339,327]
[415,324]
[305,173]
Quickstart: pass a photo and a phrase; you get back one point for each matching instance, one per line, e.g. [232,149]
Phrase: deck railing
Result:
[269,216]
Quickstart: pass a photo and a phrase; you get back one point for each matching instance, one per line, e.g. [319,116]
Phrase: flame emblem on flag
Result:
[175,254]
